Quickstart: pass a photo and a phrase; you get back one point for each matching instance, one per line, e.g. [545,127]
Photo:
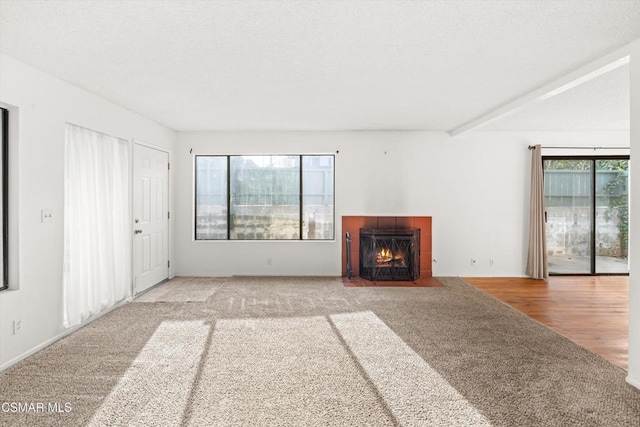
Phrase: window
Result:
[211,198]
[265,198]
[587,214]
[4,164]
[317,197]
[271,197]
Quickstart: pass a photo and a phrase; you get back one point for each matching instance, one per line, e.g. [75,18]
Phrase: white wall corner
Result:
[633,377]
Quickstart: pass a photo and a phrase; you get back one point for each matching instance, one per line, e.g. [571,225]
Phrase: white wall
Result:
[44,105]
[634,211]
[476,188]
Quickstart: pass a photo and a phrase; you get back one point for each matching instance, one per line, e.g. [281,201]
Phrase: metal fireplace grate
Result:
[389,254]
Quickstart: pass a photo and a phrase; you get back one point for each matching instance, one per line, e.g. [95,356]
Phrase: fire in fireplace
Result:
[390,254]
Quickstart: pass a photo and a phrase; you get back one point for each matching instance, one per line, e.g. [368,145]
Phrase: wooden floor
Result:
[589,310]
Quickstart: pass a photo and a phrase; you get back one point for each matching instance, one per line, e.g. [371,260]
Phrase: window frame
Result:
[592,239]
[228,201]
[5,199]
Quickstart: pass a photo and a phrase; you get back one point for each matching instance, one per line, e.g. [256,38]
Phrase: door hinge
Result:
[168,166]
[168,264]
[168,215]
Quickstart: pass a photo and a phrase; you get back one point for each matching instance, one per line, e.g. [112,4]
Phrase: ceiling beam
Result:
[583,74]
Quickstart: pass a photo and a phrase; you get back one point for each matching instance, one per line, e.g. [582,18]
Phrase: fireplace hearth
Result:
[389,254]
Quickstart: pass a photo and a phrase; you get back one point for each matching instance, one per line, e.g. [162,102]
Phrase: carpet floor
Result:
[309,351]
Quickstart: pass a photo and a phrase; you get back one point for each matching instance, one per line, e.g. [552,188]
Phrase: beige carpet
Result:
[308,351]
[183,289]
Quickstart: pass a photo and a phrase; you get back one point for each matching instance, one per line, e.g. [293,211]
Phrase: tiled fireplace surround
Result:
[353,224]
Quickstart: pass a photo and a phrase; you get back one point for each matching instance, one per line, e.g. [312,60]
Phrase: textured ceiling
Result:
[313,65]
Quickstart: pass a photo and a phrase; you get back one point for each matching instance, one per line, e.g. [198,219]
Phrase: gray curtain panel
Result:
[537,267]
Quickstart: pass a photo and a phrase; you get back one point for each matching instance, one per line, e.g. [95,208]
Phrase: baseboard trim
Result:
[63,334]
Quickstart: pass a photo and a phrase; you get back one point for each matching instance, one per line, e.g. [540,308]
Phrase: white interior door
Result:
[150,217]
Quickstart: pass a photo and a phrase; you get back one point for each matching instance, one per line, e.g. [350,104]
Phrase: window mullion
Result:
[300,197]
[228,197]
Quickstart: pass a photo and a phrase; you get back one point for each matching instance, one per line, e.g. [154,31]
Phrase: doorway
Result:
[587,214]
[150,217]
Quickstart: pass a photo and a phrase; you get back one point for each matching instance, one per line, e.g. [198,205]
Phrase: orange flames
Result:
[385,256]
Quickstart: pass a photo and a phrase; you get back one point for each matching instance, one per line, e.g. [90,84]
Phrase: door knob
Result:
[137,232]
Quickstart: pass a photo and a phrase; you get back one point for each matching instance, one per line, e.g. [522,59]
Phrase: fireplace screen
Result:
[390,254]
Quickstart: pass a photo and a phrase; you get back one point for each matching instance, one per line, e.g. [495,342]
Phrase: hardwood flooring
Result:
[589,310]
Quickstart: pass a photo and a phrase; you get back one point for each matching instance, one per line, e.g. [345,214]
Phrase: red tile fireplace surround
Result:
[353,224]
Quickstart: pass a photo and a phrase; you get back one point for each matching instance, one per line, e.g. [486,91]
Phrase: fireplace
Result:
[389,254]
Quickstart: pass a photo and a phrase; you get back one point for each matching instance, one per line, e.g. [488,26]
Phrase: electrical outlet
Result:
[17,327]
[474,261]
[491,262]
[46,215]
[269,261]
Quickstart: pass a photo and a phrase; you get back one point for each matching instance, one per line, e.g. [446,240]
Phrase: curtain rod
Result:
[531,147]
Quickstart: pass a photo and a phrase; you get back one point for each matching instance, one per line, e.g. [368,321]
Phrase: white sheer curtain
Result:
[537,266]
[97,227]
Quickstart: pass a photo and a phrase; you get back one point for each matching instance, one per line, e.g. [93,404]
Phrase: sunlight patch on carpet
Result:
[415,393]
[287,371]
[158,383]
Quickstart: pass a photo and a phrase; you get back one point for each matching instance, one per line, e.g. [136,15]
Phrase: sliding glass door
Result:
[612,216]
[586,201]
